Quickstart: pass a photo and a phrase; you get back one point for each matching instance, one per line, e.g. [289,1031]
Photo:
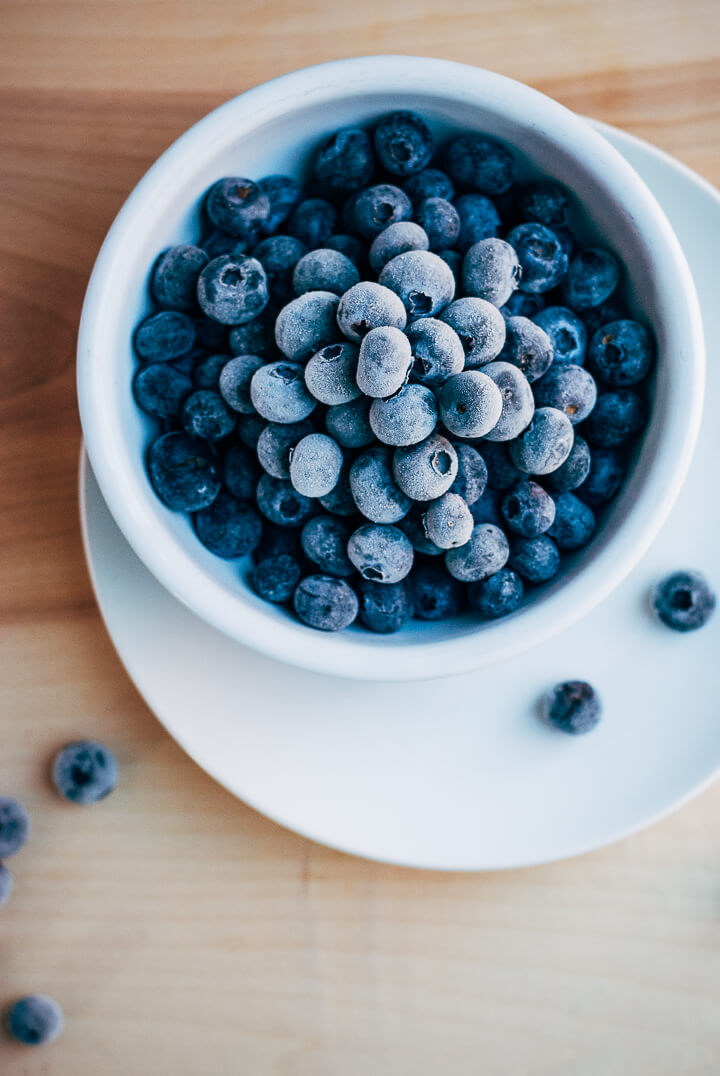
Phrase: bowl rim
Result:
[369,656]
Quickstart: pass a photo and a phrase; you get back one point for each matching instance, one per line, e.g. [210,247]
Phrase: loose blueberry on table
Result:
[411,365]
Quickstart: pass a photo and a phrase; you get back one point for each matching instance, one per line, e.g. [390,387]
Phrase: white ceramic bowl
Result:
[274,128]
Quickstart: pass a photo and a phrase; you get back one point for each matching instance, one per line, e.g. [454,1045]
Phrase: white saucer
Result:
[457,774]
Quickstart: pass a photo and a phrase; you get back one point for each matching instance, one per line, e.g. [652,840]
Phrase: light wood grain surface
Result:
[182,932]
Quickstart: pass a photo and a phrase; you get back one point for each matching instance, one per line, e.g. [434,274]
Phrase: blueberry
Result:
[347,214]
[381,553]
[397,239]
[325,603]
[324,270]
[210,335]
[413,525]
[486,509]
[384,362]
[435,594]
[545,444]
[278,541]
[349,423]
[491,271]
[159,389]
[249,428]
[175,274]
[524,304]
[683,601]
[307,324]
[573,472]
[437,351]
[165,336]
[566,331]
[233,289]
[255,337]
[572,707]
[281,504]
[238,207]
[569,388]
[369,306]
[377,207]
[315,465]
[384,607]
[405,418]
[219,242]
[183,472]
[14,826]
[480,163]
[235,380]
[542,257]
[324,541]
[604,478]
[426,471]
[537,560]
[517,397]
[275,578]
[345,161]
[228,528]
[485,553]
[424,282]
[613,309]
[374,489]
[440,220]
[502,472]
[34,1020]
[348,245]
[278,392]
[206,415]
[472,474]
[404,143]
[330,374]
[574,522]
[240,472]
[480,326]
[470,404]
[545,201]
[498,595]
[206,374]
[279,255]
[448,521]
[479,219]
[6,885]
[84,771]
[339,501]
[616,417]
[284,193]
[528,510]
[622,353]
[527,347]
[313,221]
[430,183]
[591,278]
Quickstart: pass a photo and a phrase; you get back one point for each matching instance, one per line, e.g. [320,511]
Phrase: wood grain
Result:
[182,932]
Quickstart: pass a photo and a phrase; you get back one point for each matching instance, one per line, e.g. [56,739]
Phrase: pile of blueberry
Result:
[403,388]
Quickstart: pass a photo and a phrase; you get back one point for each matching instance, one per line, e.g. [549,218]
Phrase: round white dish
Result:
[272,128]
[458,773]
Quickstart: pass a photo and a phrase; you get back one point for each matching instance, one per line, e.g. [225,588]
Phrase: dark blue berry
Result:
[572,707]
[175,275]
[622,353]
[281,504]
[435,594]
[240,472]
[206,374]
[274,578]
[591,278]
[574,522]
[324,542]
[430,183]
[545,201]
[219,242]
[34,1020]
[542,257]
[278,255]
[472,475]
[249,428]
[573,472]
[206,415]
[523,304]
[384,607]
[284,193]
[85,771]
[569,388]
[566,331]
[498,595]
[325,602]
[604,478]
[184,472]
[479,163]
[616,417]
[350,246]
[613,309]
[165,336]
[345,161]
[537,560]
[440,220]
[159,389]
[14,826]
[486,509]
[683,601]
[528,510]
[229,528]
[233,289]
[238,206]
[404,143]
[502,472]
[377,207]
[479,219]
[313,221]
[255,337]
[527,346]
[278,541]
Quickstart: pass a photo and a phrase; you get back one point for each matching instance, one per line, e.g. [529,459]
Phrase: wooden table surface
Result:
[182,932]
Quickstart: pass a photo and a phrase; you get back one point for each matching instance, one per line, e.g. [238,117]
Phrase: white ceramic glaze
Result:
[274,128]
